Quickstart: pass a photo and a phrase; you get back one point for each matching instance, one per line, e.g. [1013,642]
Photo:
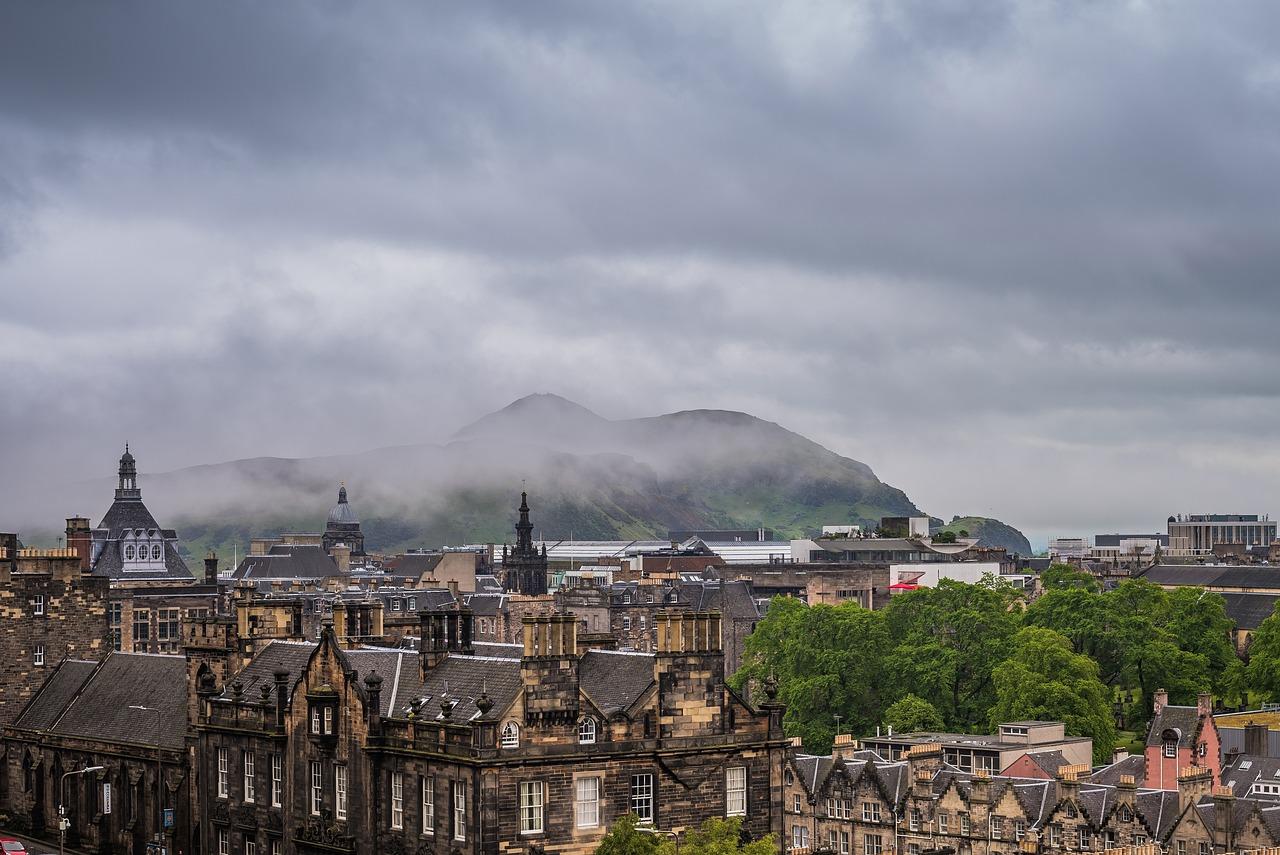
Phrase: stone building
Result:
[129,545]
[474,747]
[49,609]
[853,801]
[343,526]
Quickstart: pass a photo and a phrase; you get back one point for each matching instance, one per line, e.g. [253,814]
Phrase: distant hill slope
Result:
[588,477]
[990,533]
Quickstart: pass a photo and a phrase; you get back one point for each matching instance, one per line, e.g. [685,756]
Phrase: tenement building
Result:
[49,609]
[853,802]
[487,748]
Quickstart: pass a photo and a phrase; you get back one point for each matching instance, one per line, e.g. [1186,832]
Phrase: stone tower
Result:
[343,526]
[525,567]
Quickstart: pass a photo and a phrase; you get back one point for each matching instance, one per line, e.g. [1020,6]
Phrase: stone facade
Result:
[49,609]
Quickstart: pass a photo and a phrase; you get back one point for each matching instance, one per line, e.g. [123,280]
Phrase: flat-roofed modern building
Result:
[1198,534]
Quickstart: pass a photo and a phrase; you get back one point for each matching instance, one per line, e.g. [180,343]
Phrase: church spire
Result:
[524,528]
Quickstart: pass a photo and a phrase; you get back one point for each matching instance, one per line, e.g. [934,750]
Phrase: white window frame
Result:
[642,803]
[275,846]
[626,624]
[586,802]
[844,843]
[872,844]
[317,787]
[37,656]
[339,791]
[224,842]
[532,802]
[37,605]
[459,810]
[397,800]
[224,773]
[277,780]
[328,720]
[510,737]
[250,791]
[799,836]
[587,731]
[735,791]
[250,846]
[428,796]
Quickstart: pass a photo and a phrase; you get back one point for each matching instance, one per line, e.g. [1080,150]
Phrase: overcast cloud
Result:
[1019,257]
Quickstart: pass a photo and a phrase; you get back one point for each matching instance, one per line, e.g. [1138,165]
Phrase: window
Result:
[1204,848]
[168,629]
[964,824]
[1055,836]
[459,810]
[38,656]
[37,604]
[799,837]
[315,720]
[735,791]
[397,798]
[511,735]
[395,605]
[275,848]
[128,553]
[870,811]
[943,820]
[1019,830]
[914,819]
[643,623]
[872,845]
[155,552]
[1125,814]
[1182,847]
[1071,810]
[224,772]
[340,794]
[141,630]
[114,612]
[530,807]
[250,846]
[1170,748]
[586,802]
[832,841]
[587,730]
[413,604]
[642,797]
[1086,838]
[277,779]
[844,843]
[328,721]
[428,806]
[249,789]
[997,827]
[795,804]
[317,787]
[224,842]
[626,624]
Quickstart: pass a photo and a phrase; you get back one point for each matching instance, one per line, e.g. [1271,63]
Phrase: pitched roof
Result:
[614,680]
[1135,765]
[103,704]
[1246,770]
[1183,721]
[1250,610]
[288,561]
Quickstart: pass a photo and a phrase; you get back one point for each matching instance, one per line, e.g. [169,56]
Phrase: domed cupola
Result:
[342,512]
[343,526]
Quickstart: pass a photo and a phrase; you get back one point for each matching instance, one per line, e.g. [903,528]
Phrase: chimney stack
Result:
[211,568]
[80,539]
[342,557]
[1255,740]
[1161,701]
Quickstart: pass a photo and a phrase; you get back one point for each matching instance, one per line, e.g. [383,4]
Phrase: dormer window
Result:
[511,735]
[128,553]
[1170,740]
[155,552]
[587,730]
[323,713]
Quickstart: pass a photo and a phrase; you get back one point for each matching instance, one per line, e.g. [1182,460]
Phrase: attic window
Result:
[323,717]
[511,735]
[587,730]
[789,778]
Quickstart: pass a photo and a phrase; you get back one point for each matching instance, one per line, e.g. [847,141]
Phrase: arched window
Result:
[511,735]
[128,553]
[587,730]
[155,552]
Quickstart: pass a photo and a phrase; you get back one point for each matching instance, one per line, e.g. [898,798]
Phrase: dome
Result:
[342,512]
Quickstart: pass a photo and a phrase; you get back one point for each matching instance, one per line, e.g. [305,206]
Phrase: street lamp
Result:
[62,805]
[674,835]
[159,773]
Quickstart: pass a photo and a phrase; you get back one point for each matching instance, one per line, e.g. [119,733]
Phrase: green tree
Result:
[1044,679]
[911,714]
[720,837]
[624,839]
[1262,675]
[946,641]
[828,660]
[1074,612]
[1064,576]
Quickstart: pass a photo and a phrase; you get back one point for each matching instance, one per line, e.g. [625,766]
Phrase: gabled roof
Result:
[288,561]
[1135,765]
[614,680]
[1183,721]
[103,706]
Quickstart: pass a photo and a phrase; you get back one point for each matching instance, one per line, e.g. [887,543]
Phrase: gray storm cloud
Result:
[1020,257]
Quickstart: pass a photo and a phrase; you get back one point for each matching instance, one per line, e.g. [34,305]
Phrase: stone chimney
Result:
[689,671]
[1194,783]
[1204,705]
[80,538]
[1069,782]
[1160,702]
[549,669]
[1224,803]
[211,568]
[441,632]
[342,557]
[373,691]
[1256,740]
[923,762]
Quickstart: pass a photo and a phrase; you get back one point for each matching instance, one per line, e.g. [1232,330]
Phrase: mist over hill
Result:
[588,478]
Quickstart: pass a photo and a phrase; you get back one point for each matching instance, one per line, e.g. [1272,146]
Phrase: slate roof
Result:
[289,655]
[414,563]
[614,680]
[1185,721]
[58,690]
[100,707]
[1160,810]
[1049,762]
[1215,575]
[1246,770]
[286,561]
[1135,765]
[488,584]
[486,605]
[735,600]
[1250,610]
[125,514]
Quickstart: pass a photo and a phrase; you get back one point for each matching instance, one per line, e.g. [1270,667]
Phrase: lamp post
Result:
[62,806]
[159,773]
[674,835]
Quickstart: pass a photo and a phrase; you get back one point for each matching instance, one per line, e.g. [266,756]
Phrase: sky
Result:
[1021,258]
